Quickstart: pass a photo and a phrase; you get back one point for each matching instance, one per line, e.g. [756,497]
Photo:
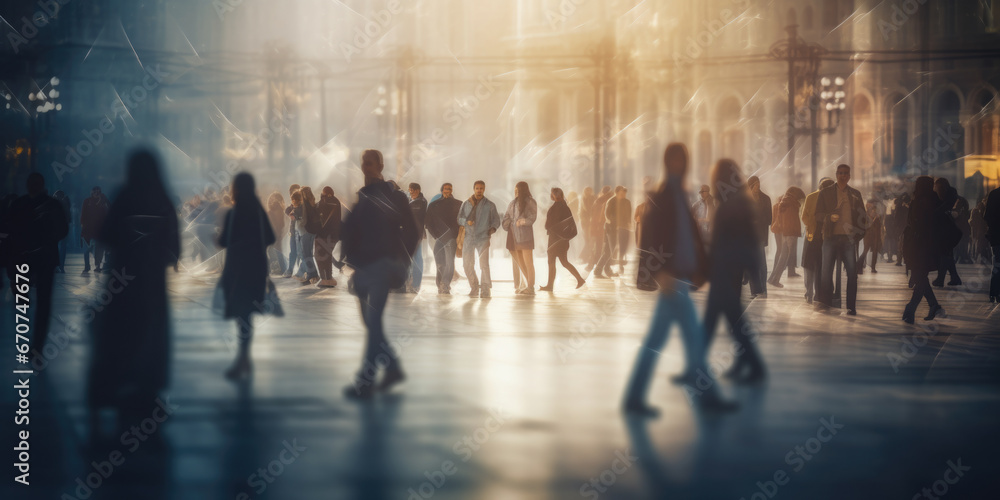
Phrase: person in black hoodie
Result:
[732,254]
[246,234]
[922,246]
[418,205]
[561,227]
[378,241]
[991,214]
[442,222]
[37,223]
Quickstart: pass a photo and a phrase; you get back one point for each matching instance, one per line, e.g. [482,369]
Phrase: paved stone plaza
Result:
[518,397]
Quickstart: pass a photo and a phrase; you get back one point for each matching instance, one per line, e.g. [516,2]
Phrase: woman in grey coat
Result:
[518,221]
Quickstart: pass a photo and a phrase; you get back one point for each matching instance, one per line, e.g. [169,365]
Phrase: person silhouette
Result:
[671,238]
[561,227]
[378,240]
[922,246]
[478,215]
[246,234]
[518,221]
[37,223]
[732,255]
[991,215]
[130,358]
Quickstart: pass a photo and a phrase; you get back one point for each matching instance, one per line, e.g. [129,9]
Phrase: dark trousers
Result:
[558,251]
[624,235]
[444,262]
[921,289]
[323,253]
[761,285]
[607,253]
[864,254]
[839,247]
[995,280]
[947,265]
[371,284]
[724,299]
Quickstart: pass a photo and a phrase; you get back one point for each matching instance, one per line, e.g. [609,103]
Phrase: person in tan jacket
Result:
[812,247]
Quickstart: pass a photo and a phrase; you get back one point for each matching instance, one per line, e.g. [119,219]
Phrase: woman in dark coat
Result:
[922,246]
[130,362]
[246,234]
[329,233]
[561,227]
[732,253]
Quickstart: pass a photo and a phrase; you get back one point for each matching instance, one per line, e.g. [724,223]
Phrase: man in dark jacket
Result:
[442,222]
[377,240]
[840,211]
[37,223]
[671,250]
[992,217]
[92,214]
[762,223]
[418,205]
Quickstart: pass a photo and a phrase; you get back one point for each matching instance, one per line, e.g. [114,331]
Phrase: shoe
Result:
[474,293]
[546,288]
[580,282]
[874,271]
[239,371]
[286,275]
[809,299]
[955,282]
[85,272]
[754,376]
[327,283]
[852,312]
[935,311]
[794,275]
[899,263]
[98,270]
[860,271]
[640,410]
[359,393]
[601,276]
[391,378]
[938,283]
[775,284]
[611,274]
[761,295]
[485,294]
[908,319]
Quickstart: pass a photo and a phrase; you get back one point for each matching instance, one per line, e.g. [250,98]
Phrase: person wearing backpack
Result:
[561,227]
[922,247]
[327,236]
[379,238]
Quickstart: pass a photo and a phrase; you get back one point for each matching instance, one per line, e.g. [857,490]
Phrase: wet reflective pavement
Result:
[518,397]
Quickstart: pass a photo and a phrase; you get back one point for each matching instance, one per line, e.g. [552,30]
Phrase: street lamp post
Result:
[830,99]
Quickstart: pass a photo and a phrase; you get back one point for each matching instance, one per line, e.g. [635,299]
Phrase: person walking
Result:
[586,207]
[731,256]
[704,211]
[379,238]
[479,219]
[812,247]
[442,223]
[788,233]
[670,235]
[620,212]
[246,234]
[947,196]
[311,225]
[294,213]
[598,229]
[418,206]
[92,215]
[762,222]
[519,221]
[131,346]
[991,214]
[610,229]
[841,212]
[873,238]
[276,215]
[37,223]
[923,246]
[327,236]
[561,228]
